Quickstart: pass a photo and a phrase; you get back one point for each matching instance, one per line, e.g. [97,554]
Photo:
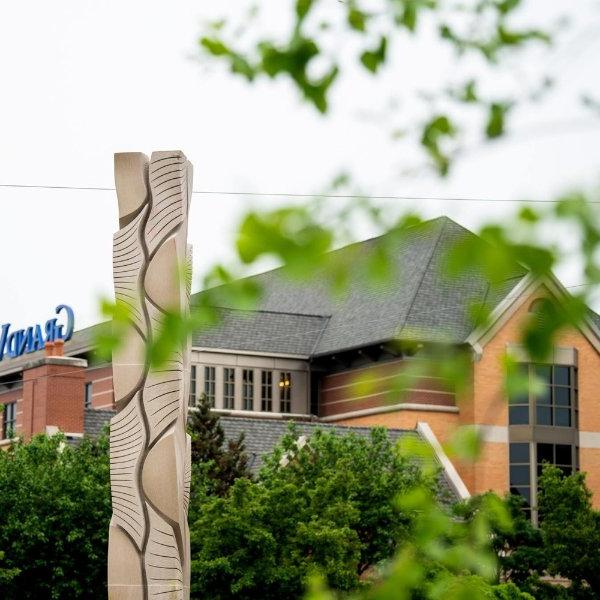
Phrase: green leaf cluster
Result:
[326,505]
[485,29]
[54,516]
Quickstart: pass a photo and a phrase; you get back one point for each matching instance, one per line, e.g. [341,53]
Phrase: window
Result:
[520,472]
[518,407]
[285,392]
[87,399]
[192,396]
[210,384]
[560,455]
[551,402]
[228,387]
[266,391]
[248,389]
[556,401]
[9,420]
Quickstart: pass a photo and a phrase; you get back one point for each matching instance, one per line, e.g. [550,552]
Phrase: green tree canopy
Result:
[217,462]
[325,504]
[570,530]
[54,515]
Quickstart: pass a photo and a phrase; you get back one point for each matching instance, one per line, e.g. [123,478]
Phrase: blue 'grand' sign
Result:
[25,341]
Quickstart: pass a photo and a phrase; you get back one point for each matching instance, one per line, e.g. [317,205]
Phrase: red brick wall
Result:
[373,386]
[52,395]
[102,386]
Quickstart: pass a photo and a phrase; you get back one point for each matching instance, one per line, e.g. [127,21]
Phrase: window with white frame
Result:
[193,382]
[285,392]
[266,391]
[210,385]
[248,389]
[228,388]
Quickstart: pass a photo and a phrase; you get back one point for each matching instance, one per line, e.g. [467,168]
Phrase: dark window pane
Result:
[544,373]
[544,415]
[518,415]
[563,455]
[519,453]
[563,417]
[521,398]
[544,396]
[519,475]
[545,453]
[525,492]
[562,375]
[562,396]
[566,471]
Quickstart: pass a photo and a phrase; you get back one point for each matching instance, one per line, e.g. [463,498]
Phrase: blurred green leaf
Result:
[496,119]
[357,19]
[440,127]
[465,443]
[373,59]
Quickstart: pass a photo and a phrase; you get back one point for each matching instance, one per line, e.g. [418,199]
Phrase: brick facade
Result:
[485,405]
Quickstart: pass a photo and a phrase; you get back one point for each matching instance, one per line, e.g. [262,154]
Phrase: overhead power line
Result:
[294,194]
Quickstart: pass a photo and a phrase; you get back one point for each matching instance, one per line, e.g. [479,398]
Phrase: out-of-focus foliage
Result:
[328,504]
[313,54]
[263,539]
[54,516]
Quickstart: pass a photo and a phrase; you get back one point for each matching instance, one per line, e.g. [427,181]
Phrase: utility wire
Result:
[295,195]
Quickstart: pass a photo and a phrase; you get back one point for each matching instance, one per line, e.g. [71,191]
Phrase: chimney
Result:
[53,392]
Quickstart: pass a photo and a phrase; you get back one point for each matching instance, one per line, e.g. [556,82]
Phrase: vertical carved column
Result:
[148,553]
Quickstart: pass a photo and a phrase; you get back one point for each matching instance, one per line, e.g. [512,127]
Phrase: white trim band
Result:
[454,478]
[497,434]
[589,439]
[391,408]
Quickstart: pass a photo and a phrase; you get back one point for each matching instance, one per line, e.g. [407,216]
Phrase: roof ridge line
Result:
[274,312]
[442,218]
[414,298]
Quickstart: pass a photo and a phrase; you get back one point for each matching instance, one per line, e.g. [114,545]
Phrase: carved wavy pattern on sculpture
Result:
[127,438]
[128,261]
[150,462]
[187,476]
[168,184]
[162,395]
[163,563]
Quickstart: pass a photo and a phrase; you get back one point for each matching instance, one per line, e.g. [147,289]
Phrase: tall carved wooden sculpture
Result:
[149,448]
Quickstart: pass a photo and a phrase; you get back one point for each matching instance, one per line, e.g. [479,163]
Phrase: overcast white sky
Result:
[82,79]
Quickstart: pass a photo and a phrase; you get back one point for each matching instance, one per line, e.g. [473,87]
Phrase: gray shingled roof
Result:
[304,318]
[420,302]
[262,331]
[95,420]
[263,434]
